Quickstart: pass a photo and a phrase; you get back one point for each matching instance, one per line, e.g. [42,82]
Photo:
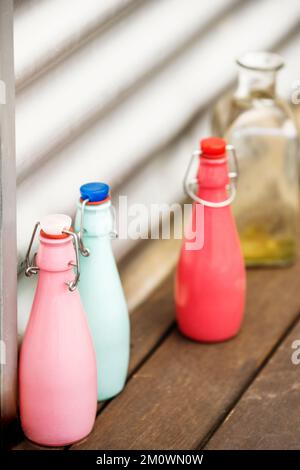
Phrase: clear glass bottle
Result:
[262,130]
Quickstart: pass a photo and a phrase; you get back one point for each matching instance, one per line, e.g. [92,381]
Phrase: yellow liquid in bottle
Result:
[261,249]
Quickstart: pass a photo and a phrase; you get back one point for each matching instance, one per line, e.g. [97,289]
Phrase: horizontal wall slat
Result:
[44,30]
[81,88]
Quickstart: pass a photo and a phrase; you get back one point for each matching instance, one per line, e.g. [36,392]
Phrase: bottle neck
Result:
[254,84]
[56,255]
[213,174]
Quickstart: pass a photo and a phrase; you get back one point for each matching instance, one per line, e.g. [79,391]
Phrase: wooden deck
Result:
[241,394]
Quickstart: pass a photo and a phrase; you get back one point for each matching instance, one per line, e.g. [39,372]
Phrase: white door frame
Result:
[8,251]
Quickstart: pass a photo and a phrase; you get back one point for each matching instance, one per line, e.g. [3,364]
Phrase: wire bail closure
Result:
[83,250]
[113,233]
[31,267]
[233,176]
[73,284]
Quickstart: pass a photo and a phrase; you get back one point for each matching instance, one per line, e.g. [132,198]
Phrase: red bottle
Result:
[210,279]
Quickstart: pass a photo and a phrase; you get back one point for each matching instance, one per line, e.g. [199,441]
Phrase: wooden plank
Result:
[144,269]
[268,415]
[151,322]
[28,445]
[185,389]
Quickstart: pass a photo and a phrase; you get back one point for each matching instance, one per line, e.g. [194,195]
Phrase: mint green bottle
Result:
[101,289]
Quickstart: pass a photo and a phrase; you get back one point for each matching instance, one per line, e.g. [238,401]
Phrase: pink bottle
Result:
[210,278]
[57,376]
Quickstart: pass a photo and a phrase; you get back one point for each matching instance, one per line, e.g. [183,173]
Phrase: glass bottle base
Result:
[267,251]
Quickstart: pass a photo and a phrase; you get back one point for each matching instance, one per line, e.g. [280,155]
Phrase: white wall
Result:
[110,93]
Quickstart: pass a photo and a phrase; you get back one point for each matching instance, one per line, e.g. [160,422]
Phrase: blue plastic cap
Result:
[94,192]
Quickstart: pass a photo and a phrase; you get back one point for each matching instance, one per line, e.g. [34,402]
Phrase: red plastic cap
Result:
[213,147]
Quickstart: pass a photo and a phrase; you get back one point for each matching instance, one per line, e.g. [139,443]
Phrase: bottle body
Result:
[262,130]
[104,301]
[210,280]
[57,375]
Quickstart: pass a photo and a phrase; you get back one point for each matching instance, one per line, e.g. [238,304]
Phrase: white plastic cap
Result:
[55,224]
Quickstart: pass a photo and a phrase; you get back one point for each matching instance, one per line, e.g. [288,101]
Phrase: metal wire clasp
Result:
[113,234]
[83,250]
[30,265]
[73,284]
[233,176]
